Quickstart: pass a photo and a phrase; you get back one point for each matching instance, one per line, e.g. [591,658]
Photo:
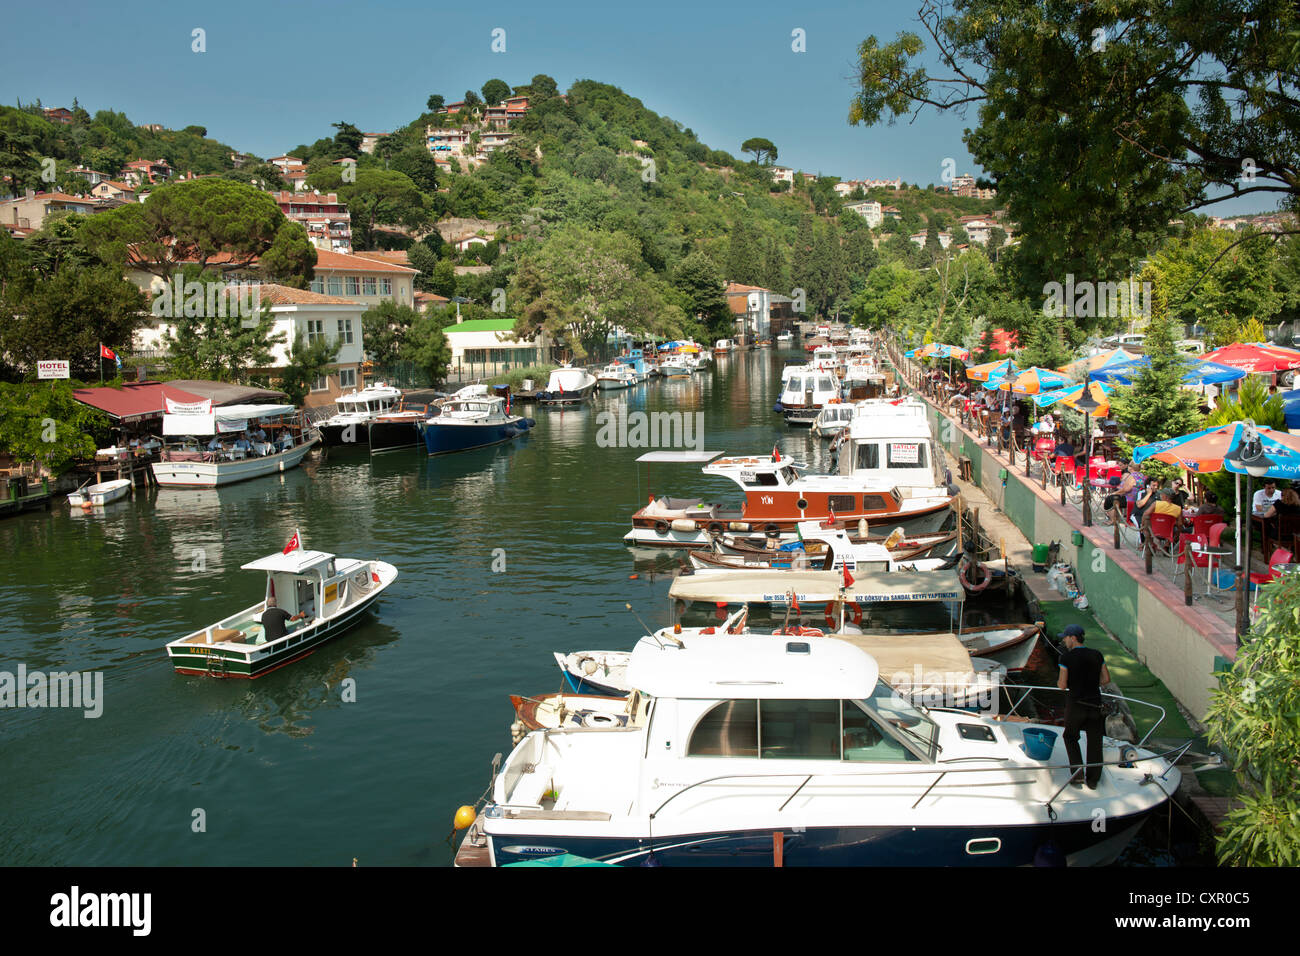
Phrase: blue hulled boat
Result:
[473,421]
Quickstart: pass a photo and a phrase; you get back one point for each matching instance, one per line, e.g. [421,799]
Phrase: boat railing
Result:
[1031,688]
[1127,759]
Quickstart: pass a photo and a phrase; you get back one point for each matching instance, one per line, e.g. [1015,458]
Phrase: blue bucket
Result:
[1039,743]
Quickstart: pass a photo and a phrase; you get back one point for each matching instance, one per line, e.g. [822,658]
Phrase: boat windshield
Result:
[910,721]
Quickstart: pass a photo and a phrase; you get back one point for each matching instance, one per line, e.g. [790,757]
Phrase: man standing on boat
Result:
[275,622]
[1083,671]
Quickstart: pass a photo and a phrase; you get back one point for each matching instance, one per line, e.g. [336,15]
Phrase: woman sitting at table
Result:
[1125,489]
[1286,506]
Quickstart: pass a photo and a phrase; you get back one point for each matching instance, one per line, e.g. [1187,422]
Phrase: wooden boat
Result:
[396,429]
[333,592]
[188,462]
[901,547]
[101,494]
[570,711]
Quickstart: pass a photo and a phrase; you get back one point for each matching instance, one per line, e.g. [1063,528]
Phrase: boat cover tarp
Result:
[898,654]
[228,418]
[774,587]
[226,393]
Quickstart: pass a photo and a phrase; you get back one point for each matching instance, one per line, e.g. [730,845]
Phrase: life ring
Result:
[599,719]
[661,527]
[966,577]
[715,527]
[855,611]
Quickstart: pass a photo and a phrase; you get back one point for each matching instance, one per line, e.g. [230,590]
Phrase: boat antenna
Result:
[648,632]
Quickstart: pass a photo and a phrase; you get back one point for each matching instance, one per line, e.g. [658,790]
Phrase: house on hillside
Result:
[109,189]
[782,174]
[323,215]
[59,114]
[751,305]
[31,209]
[140,171]
[868,209]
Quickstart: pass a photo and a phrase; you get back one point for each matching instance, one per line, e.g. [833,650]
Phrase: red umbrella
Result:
[1250,357]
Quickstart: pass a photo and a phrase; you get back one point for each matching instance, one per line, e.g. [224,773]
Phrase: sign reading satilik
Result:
[53,368]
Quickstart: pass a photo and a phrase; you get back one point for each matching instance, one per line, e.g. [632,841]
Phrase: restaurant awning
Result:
[133,402]
[226,419]
[226,393]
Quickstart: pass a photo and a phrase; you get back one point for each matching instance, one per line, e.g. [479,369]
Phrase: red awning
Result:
[133,402]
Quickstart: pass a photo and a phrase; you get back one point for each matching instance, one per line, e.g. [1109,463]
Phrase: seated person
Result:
[1064,448]
[1265,497]
[1180,494]
[215,444]
[1167,504]
[243,444]
[1145,500]
[1210,505]
[285,440]
[1286,505]
[275,620]
[1125,489]
[258,434]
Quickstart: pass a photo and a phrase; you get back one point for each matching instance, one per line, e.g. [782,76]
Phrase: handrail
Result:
[942,772]
[1030,688]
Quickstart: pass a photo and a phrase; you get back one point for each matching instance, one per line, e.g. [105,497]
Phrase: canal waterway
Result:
[283,770]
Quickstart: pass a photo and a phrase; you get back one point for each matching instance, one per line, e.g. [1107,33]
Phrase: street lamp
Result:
[1248,457]
[1087,404]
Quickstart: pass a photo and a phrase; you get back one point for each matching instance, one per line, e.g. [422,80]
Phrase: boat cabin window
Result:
[874,503]
[868,455]
[765,478]
[906,455]
[884,728]
[789,475]
[824,384]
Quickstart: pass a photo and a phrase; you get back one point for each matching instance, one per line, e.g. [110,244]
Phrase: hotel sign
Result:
[53,368]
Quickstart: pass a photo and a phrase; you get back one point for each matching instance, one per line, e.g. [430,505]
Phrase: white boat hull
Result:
[101,494]
[214,474]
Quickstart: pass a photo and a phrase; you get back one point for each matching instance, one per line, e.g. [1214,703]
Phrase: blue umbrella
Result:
[1074,390]
[1207,451]
[1196,372]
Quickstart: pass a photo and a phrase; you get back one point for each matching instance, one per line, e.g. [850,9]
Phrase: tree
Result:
[697,280]
[1102,122]
[542,87]
[1252,715]
[435,103]
[494,91]
[381,196]
[306,364]
[443,282]
[419,165]
[1156,406]
[348,138]
[220,347]
[472,101]
[763,149]
[43,422]
[198,221]
[744,263]
[384,328]
[427,349]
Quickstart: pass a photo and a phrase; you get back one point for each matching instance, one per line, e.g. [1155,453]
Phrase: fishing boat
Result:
[230,455]
[827,359]
[900,546]
[676,366]
[832,420]
[472,421]
[349,425]
[826,549]
[617,375]
[805,391]
[567,386]
[745,746]
[106,492]
[778,495]
[594,672]
[332,592]
[724,347]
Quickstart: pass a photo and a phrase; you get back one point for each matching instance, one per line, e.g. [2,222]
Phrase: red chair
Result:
[1202,524]
[1279,556]
[1216,533]
[1065,469]
[1162,529]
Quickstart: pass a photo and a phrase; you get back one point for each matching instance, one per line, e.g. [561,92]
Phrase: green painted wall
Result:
[1112,594]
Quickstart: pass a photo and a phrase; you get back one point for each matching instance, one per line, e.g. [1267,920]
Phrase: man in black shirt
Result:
[1083,671]
[274,621]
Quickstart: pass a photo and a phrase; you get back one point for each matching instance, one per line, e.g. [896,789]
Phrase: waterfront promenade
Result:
[1184,646]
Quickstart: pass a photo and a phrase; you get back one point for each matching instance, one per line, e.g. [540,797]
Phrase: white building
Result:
[868,209]
[782,174]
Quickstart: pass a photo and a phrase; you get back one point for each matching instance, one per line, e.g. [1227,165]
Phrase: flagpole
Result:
[101,363]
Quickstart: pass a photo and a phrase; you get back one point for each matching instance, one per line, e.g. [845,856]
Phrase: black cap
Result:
[1072,630]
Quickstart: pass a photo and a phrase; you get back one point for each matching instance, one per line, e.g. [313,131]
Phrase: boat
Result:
[832,420]
[186,461]
[333,592]
[106,492]
[563,710]
[891,441]
[676,366]
[397,429]
[567,386]
[723,347]
[617,375]
[473,420]
[743,747]
[827,359]
[899,546]
[354,413]
[594,672]
[805,391]
[826,549]
[785,338]
[778,495]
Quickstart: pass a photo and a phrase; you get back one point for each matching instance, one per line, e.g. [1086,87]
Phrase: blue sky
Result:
[277,74]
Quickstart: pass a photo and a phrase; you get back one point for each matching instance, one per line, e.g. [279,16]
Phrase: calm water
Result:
[284,771]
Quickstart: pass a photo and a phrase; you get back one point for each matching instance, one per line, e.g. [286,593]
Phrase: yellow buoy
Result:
[464,817]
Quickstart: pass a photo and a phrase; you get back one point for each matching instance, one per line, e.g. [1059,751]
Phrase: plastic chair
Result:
[1216,534]
[1279,556]
[1162,529]
[1202,524]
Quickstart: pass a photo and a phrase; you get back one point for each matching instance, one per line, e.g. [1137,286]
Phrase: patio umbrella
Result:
[1071,394]
[1196,372]
[938,350]
[1033,380]
[1254,357]
[983,373]
[1204,452]
[1101,360]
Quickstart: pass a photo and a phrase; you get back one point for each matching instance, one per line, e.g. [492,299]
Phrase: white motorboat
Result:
[675,366]
[805,391]
[724,346]
[356,410]
[742,747]
[103,493]
[332,592]
[567,386]
[188,461]
[472,419]
[832,420]
[617,375]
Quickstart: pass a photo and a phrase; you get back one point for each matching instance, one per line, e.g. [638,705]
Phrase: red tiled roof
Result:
[135,399]
[735,288]
[337,262]
[397,256]
[285,295]
[59,197]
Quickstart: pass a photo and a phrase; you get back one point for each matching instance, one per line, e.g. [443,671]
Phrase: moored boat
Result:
[106,492]
[567,386]
[472,421]
[617,375]
[349,425]
[331,593]
[395,430]
[186,461]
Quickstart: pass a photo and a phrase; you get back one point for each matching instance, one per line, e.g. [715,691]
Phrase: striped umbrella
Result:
[1101,360]
[1033,381]
[1204,452]
[991,370]
[1072,393]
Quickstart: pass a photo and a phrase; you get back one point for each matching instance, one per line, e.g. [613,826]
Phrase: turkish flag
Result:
[106,352]
[794,602]
[776,454]
[848,578]
[294,544]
